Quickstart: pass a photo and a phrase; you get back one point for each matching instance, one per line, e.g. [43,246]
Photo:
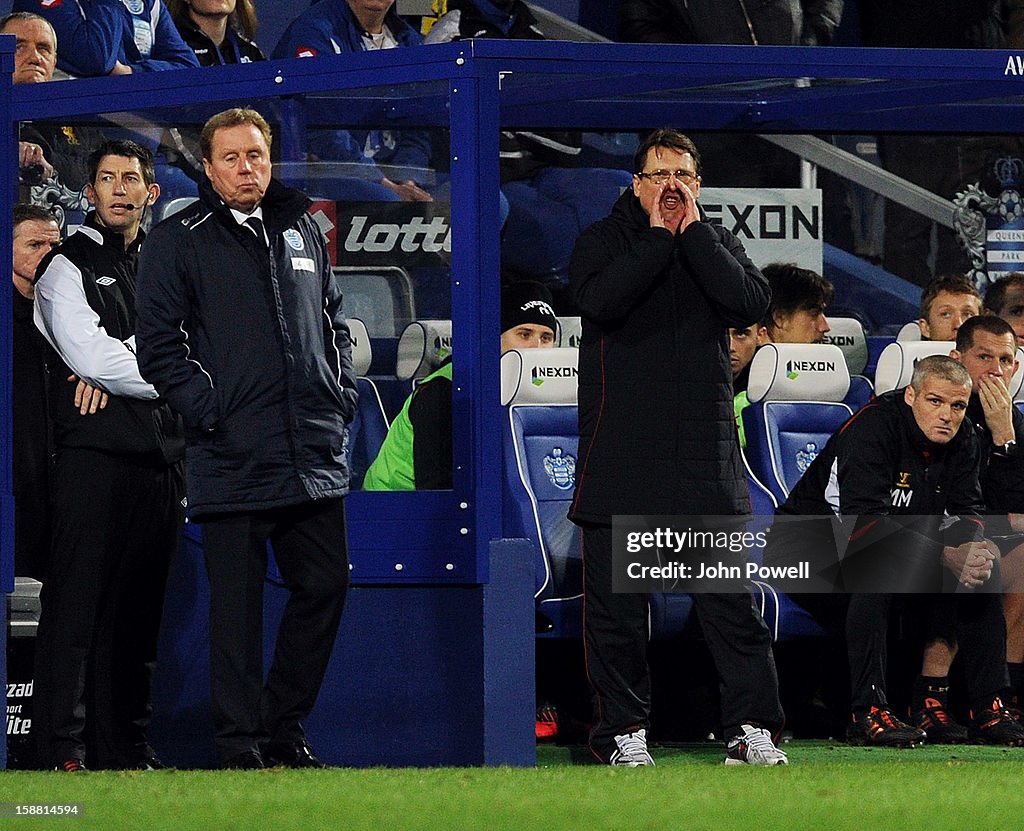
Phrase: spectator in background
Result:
[333,27]
[778,23]
[218,31]
[731,160]
[112,37]
[1005,298]
[941,164]
[550,198]
[417,452]
[35,57]
[945,304]
[35,234]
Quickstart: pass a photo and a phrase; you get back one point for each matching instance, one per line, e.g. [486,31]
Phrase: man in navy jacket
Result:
[241,328]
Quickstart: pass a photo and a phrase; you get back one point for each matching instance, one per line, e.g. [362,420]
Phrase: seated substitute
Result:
[986,345]
[946,303]
[417,452]
[1005,299]
[892,472]
[796,314]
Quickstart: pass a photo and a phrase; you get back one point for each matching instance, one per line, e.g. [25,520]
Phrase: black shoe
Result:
[940,726]
[246,760]
[996,725]
[143,757]
[880,727]
[297,754]
[71,766]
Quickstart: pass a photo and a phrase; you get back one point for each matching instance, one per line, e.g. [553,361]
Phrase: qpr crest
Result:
[806,456]
[991,228]
[561,469]
[135,6]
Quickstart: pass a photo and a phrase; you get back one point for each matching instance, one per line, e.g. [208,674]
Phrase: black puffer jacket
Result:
[253,350]
[657,434]
[764,22]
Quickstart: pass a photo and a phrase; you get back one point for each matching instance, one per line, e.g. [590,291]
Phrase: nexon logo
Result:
[809,366]
[384,237]
[443,342]
[777,221]
[539,373]
[839,340]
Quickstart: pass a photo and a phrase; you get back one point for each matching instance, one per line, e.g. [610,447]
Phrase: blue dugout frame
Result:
[474,89]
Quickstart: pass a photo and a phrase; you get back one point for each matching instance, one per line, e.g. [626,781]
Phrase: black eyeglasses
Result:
[660,177]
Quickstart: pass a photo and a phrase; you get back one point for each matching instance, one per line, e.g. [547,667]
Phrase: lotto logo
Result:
[50,4]
[301,52]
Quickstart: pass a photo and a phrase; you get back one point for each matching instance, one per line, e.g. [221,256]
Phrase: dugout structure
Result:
[434,663]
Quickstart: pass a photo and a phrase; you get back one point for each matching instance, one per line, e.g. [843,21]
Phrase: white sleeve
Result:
[63,314]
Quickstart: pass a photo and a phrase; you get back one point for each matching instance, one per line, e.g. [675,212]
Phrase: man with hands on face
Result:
[658,289]
[986,346]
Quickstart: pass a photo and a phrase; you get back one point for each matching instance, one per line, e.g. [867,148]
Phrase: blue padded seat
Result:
[796,393]
[369,427]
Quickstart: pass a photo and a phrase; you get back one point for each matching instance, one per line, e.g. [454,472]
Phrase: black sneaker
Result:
[71,766]
[297,754]
[246,760]
[879,727]
[996,725]
[940,726]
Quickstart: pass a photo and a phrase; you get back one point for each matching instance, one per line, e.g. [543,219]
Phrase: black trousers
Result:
[311,550]
[615,641]
[117,525]
[976,620]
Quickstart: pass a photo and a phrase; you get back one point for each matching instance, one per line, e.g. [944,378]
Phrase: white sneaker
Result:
[632,751]
[754,747]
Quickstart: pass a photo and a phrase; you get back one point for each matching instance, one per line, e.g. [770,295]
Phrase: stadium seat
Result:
[165,209]
[784,618]
[848,334]
[540,452]
[381,296]
[897,361]
[424,344]
[796,393]
[909,332]
[570,329]
[876,344]
[540,438]
[368,429]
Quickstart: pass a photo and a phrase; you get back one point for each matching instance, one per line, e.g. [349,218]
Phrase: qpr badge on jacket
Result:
[294,239]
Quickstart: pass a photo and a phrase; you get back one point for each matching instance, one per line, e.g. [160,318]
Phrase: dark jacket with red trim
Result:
[879,464]
[657,434]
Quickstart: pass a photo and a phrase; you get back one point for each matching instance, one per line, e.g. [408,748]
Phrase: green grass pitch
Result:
[828,787]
